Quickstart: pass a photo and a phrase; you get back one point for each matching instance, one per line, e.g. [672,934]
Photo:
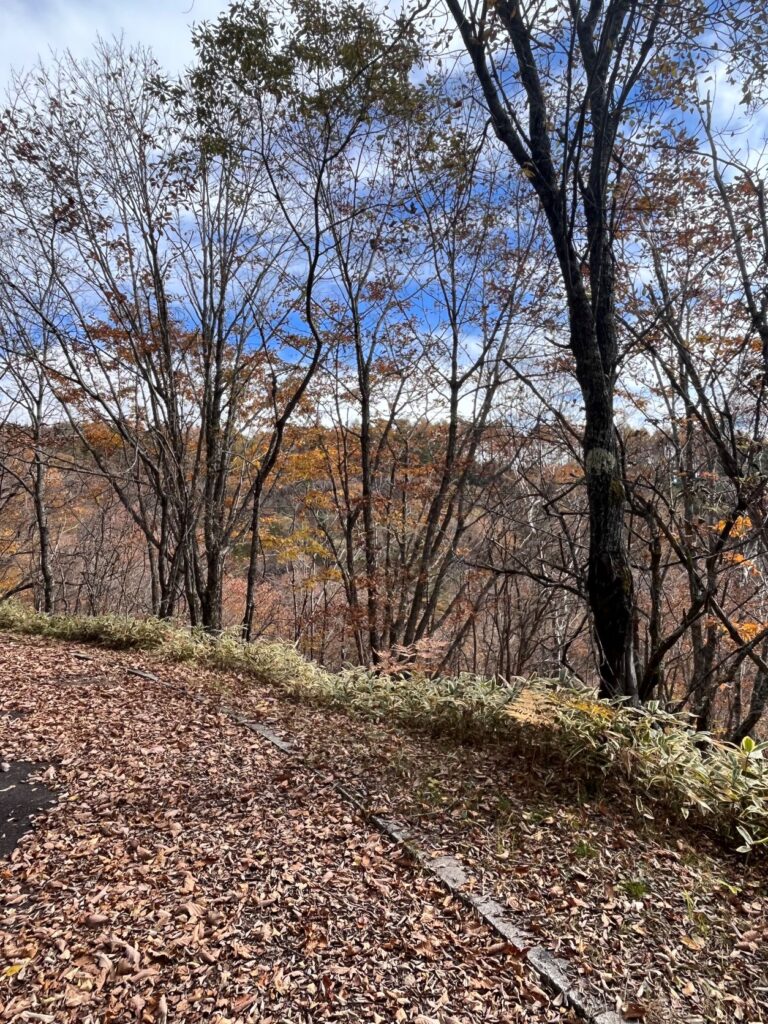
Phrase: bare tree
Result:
[563,85]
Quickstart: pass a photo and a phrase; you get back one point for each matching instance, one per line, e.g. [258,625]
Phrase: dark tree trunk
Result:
[571,175]
[609,576]
[211,597]
[43,533]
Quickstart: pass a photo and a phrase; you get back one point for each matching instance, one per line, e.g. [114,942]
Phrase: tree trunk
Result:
[609,576]
[593,341]
[211,597]
[43,533]
[250,587]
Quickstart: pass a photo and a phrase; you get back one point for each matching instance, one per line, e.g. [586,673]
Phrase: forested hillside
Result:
[431,341]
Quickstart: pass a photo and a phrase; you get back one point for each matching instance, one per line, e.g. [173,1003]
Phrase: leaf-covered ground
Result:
[668,923]
[665,922]
[192,872]
[189,873]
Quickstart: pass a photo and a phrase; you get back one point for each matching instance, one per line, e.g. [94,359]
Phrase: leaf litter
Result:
[188,872]
[661,918]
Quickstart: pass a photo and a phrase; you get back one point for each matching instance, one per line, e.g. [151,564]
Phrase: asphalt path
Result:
[20,800]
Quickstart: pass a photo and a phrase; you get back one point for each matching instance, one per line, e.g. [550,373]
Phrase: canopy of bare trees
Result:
[438,340]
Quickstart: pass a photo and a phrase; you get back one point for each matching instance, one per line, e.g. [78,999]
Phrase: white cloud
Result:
[742,133]
[29,28]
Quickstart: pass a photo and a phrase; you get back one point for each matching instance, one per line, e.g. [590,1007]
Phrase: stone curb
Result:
[551,971]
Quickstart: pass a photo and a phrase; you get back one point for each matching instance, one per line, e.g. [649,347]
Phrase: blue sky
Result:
[29,28]
[32,27]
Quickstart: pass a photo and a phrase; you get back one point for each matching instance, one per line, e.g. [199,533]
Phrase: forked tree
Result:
[571,88]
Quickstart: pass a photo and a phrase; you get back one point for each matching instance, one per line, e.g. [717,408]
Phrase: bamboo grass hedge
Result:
[657,758]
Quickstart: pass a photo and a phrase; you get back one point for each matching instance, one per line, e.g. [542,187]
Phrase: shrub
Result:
[662,759]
